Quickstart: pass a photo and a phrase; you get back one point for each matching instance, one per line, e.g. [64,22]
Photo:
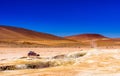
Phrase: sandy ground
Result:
[97,62]
[20,52]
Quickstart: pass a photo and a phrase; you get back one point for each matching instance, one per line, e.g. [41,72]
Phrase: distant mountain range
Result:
[19,37]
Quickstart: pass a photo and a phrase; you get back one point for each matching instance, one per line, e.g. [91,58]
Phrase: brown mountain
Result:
[10,32]
[97,40]
[19,37]
[14,36]
[86,37]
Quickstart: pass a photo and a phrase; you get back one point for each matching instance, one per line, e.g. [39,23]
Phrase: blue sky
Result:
[63,17]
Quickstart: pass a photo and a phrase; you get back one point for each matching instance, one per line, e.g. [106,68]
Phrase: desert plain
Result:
[96,62]
[77,55]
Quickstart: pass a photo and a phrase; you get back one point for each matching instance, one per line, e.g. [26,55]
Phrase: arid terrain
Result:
[19,37]
[59,37]
[95,62]
[77,55]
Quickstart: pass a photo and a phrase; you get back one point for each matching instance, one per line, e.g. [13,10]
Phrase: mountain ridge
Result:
[11,32]
[21,37]
[86,36]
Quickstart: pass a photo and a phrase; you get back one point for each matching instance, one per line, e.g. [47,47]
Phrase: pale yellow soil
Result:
[20,52]
[97,62]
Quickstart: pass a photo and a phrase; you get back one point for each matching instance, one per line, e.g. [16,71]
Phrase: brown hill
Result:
[86,37]
[20,37]
[96,40]
[10,32]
